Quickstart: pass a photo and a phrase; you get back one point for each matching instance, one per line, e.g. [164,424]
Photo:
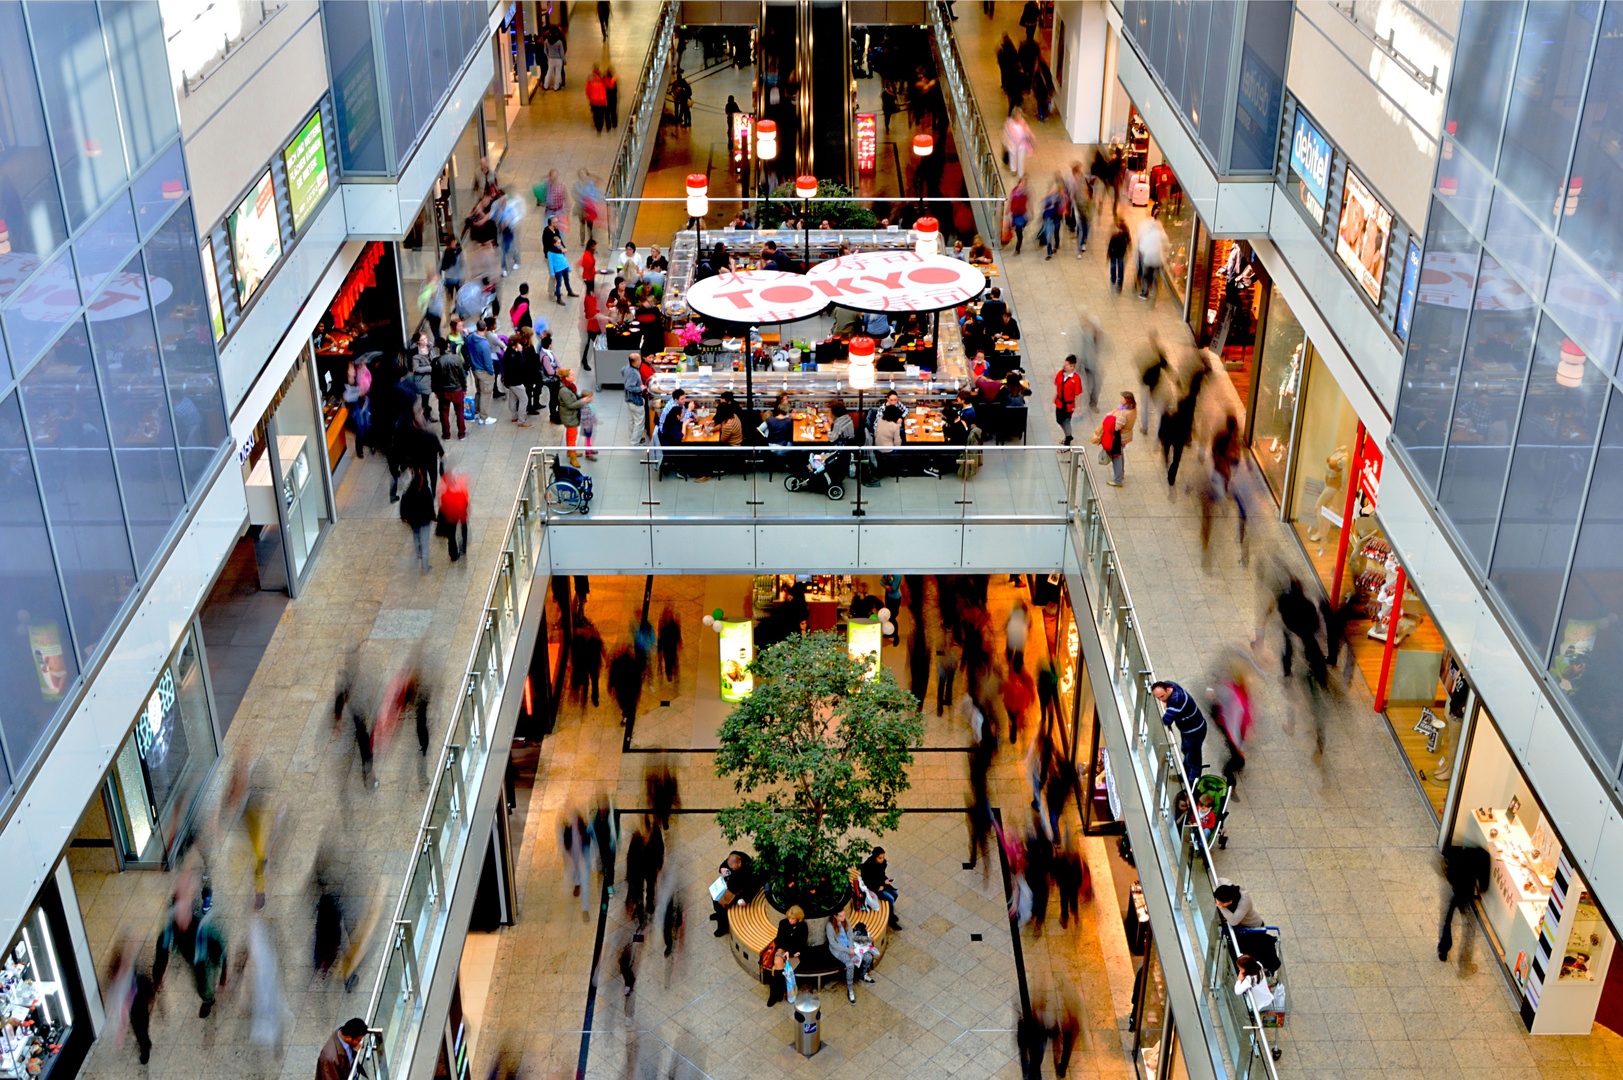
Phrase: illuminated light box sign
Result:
[1362,236]
[862,641]
[306,162]
[867,143]
[756,296]
[1310,167]
[256,241]
[897,281]
[737,650]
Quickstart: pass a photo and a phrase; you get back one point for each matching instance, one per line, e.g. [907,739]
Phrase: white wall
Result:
[241,114]
[1385,120]
[1082,89]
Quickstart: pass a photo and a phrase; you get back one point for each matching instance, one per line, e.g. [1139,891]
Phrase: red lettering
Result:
[889,281]
[838,287]
[740,304]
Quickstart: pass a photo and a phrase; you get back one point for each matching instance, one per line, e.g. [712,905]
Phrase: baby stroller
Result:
[1219,789]
[570,490]
[819,473]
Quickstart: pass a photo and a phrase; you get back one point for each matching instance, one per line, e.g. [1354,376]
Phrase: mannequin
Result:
[1332,497]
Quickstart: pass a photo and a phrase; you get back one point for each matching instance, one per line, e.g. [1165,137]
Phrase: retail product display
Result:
[31,1030]
[1327,509]
[1385,596]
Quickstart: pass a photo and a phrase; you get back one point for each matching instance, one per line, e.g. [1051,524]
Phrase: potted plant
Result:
[819,751]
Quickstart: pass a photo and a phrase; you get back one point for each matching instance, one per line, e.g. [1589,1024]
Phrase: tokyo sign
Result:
[896,281]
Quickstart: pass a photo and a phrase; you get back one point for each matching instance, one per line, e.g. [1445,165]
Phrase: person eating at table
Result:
[979,253]
[773,259]
[993,307]
[1007,326]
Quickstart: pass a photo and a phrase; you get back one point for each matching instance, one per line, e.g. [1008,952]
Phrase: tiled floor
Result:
[1339,852]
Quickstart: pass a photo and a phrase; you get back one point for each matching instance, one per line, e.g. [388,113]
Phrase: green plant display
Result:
[819,749]
[841,215]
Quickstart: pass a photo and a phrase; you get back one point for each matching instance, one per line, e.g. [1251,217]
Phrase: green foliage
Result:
[820,750]
[842,215]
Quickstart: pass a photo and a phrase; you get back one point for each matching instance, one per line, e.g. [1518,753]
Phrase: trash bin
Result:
[809,1039]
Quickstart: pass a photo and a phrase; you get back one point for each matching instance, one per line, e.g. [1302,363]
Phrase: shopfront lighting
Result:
[927,231]
[861,358]
[806,187]
[766,140]
[923,145]
[1569,370]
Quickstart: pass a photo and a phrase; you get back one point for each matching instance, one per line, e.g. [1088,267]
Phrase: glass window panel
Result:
[423,92]
[158,189]
[1490,392]
[474,21]
[393,18]
[355,86]
[1588,656]
[1219,48]
[1261,88]
[1544,97]
[39,664]
[1483,54]
[1200,28]
[1556,438]
[69,436]
[1177,48]
[440,63]
[1520,243]
[105,246]
[79,101]
[1431,364]
[450,17]
[30,208]
[1464,187]
[175,281]
[1279,380]
[1586,307]
[1592,218]
[141,73]
[44,306]
[137,409]
[1160,30]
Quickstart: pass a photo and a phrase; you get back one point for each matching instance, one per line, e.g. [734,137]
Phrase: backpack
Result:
[520,312]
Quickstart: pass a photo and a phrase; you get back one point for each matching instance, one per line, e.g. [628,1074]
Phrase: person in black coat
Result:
[875,875]
[1466,867]
[742,881]
[790,942]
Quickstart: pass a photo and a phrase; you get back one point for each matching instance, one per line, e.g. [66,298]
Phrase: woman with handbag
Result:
[844,946]
[1113,434]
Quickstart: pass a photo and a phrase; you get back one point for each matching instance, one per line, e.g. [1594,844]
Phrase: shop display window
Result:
[1545,925]
[1325,442]
[36,1010]
[1280,366]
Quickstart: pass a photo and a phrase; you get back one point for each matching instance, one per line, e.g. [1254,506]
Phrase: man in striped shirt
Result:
[1182,712]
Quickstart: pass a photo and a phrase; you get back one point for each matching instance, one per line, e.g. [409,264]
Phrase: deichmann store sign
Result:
[896,281]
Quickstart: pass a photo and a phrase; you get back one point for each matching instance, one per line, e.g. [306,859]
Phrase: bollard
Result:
[809,1040]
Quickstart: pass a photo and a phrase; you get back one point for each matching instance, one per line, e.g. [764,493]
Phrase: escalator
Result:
[803,82]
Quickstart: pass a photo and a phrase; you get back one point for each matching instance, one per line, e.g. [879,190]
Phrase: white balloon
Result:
[887,628]
[716,626]
[884,614]
[709,619]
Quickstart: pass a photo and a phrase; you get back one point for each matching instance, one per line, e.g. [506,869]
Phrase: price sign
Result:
[867,143]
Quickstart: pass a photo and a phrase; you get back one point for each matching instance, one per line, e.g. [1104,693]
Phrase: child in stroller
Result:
[823,473]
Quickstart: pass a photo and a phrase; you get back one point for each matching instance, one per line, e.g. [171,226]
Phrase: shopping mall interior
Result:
[1117,460]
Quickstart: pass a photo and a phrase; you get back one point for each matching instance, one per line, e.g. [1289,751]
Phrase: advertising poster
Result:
[1361,239]
[737,650]
[306,161]
[211,289]
[863,638]
[1411,284]
[1310,168]
[45,642]
[256,241]
[867,146]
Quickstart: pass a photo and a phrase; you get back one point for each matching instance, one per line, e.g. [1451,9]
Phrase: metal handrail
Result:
[1125,616]
[628,158]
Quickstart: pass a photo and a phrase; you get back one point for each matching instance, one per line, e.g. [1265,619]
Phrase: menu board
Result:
[863,638]
[1361,239]
[306,161]
[867,143]
[737,650]
[256,240]
[211,289]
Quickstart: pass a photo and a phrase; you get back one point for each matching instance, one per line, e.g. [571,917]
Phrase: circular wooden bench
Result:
[755,924]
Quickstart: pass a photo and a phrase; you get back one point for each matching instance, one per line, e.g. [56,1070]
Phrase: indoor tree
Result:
[841,215]
[818,750]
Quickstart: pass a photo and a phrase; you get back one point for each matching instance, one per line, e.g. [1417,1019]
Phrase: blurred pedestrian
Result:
[946,672]
[1014,635]
[663,794]
[192,930]
[1466,867]
[363,746]
[337,1058]
[586,661]
[417,511]
[453,515]
[605,838]
[670,643]
[271,1016]
[625,683]
[575,838]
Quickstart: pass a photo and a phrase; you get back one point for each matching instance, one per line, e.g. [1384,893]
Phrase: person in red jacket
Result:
[1067,388]
[454,512]
[597,96]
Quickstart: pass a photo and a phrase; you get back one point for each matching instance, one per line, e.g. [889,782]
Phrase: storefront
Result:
[450,200]
[1149,186]
[1281,360]
[288,479]
[1543,923]
[153,788]
[362,323]
[45,1028]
